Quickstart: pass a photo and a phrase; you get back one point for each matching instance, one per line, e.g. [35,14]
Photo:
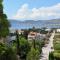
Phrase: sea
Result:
[15,24]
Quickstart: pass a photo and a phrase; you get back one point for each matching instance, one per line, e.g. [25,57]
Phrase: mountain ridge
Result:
[54,23]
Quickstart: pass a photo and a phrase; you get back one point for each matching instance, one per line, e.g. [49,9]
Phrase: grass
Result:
[56,43]
[56,54]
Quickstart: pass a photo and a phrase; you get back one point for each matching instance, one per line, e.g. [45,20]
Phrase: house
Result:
[47,29]
[58,30]
[20,31]
[36,36]
[40,36]
[32,35]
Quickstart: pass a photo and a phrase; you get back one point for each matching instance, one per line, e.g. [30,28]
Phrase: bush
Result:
[24,48]
[33,54]
[7,53]
[51,57]
[57,46]
[57,54]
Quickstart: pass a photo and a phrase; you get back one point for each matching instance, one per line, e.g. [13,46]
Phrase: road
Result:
[47,49]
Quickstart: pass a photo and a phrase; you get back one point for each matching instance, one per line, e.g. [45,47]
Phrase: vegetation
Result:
[26,49]
[4,24]
[33,54]
[7,53]
[56,54]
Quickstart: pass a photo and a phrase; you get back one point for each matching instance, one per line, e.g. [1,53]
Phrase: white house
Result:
[47,29]
[58,30]
[36,36]
[32,35]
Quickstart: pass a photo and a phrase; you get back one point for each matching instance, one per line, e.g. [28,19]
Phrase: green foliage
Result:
[34,29]
[1,1]
[56,54]
[39,44]
[51,57]
[4,24]
[33,54]
[1,4]
[1,8]
[7,53]
[2,48]
[43,32]
[57,46]
[24,48]
[25,34]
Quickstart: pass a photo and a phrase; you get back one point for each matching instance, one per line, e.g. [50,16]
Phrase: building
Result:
[20,31]
[41,36]
[32,35]
[47,29]
[58,30]
[36,36]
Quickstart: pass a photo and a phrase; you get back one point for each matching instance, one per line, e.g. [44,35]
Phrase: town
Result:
[31,32]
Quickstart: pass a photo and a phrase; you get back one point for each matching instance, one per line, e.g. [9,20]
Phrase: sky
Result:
[32,9]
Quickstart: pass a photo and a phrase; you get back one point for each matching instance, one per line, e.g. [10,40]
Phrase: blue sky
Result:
[30,9]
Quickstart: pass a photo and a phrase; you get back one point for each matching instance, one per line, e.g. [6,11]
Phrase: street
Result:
[48,48]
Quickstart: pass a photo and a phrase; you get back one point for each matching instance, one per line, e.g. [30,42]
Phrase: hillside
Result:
[54,23]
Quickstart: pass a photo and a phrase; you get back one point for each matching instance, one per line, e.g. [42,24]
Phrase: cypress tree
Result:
[4,24]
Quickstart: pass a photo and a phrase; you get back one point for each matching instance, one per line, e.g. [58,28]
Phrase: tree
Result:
[25,34]
[4,23]
[24,48]
[33,54]
[17,37]
[1,6]
[7,53]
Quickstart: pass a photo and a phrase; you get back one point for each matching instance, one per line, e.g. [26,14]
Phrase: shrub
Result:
[7,53]
[33,54]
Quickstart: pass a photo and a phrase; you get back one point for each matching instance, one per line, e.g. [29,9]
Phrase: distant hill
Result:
[54,23]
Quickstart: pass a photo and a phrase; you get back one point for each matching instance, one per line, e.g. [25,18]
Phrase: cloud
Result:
[43,13]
